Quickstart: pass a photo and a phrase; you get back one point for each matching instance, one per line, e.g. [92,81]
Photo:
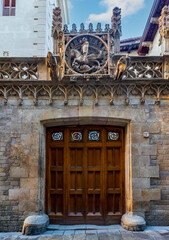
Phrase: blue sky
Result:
[134,14]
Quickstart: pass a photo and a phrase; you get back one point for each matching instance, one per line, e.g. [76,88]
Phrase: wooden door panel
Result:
[94,185]
[85,176]
[76,182]
[56,182]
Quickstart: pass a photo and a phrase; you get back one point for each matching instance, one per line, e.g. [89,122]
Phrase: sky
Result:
[134,14]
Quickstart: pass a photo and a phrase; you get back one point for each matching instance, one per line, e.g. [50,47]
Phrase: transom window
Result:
[9,7]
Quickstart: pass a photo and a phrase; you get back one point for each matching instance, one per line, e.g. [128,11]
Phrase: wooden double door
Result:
[85,175]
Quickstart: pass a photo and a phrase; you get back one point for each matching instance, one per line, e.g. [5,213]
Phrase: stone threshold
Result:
[82,227]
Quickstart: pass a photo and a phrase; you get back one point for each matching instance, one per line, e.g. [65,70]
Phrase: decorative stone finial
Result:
[90,27]
[82,28]
[74,28]
[99,29]
[65,29]
[106,27]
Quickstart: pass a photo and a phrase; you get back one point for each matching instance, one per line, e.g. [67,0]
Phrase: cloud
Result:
[128,7]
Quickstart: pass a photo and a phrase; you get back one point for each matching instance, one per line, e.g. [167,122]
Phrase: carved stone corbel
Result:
[154,20]
[148,44]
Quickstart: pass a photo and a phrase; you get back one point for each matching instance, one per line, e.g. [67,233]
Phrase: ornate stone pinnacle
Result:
[57,20]
[116,22]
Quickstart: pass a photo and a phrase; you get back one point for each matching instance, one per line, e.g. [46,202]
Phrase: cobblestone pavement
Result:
[101,233]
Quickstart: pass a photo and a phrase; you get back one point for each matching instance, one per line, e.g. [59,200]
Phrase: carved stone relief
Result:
[18,71]
[164,22]
[86,54]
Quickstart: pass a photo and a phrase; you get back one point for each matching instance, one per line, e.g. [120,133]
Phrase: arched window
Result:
[9,7]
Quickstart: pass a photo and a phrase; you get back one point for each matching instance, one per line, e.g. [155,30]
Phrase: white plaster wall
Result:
[132,53]
[49,40]
[28,33]
[156,49]
[16,32]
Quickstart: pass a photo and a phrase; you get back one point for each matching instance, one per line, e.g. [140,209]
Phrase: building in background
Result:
[155,39]
[130,46]
[25,27]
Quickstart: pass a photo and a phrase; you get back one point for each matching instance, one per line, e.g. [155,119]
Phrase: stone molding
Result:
[66,92]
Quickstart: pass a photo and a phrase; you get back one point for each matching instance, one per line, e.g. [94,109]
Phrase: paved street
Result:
[100,233]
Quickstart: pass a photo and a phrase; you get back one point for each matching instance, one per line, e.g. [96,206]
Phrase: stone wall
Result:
[22,153]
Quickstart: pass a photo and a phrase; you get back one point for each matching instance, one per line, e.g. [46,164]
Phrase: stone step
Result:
[81,227]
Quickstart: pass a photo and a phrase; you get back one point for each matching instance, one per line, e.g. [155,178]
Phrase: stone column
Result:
[130,221]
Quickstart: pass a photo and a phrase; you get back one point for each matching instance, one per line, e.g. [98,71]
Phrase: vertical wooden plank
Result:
[66,172]
[85,164]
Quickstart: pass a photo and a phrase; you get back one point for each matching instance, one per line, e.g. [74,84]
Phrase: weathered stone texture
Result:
[22,138]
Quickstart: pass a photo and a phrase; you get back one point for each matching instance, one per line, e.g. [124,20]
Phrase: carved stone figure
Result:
[164,24]
[85,47]
[52,64]
[121,66]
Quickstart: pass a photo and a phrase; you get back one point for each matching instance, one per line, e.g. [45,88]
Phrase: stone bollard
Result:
[35,225]
[132,222]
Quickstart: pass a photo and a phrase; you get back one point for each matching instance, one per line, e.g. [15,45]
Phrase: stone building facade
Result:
[27,33]
[104,91]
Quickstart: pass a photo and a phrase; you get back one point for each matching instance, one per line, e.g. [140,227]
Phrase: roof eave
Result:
[150,25]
